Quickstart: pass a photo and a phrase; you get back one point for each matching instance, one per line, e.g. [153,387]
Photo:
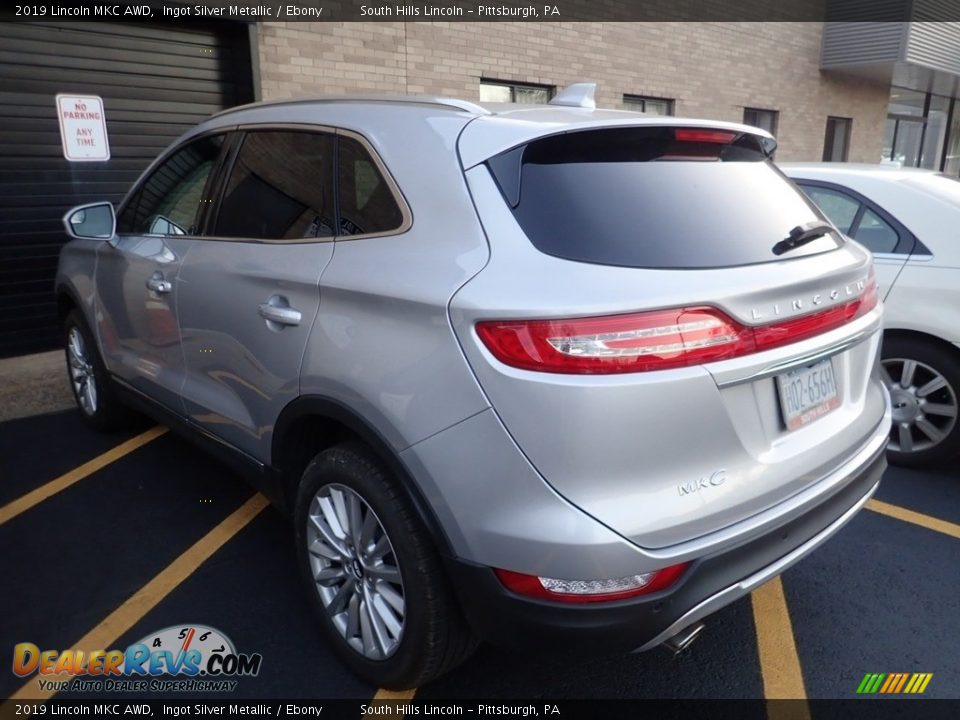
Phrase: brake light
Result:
[588,591]
[700,135]
[658,340]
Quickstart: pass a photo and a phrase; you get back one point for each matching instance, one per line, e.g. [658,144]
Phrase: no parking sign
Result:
[83,128]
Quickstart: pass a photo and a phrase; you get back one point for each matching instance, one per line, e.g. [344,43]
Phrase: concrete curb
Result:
[34,385]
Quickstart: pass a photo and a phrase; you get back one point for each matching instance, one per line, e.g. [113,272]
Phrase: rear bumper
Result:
[713,581]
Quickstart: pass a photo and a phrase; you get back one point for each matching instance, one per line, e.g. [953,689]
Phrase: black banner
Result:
[486,11]
[861,709]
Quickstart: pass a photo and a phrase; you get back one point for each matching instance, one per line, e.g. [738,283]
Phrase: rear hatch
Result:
[666,327]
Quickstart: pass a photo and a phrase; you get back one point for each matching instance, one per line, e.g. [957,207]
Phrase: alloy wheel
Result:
[355,571]
[82,374]
[924,405]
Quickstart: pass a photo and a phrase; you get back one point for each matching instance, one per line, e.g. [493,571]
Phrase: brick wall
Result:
[712,70]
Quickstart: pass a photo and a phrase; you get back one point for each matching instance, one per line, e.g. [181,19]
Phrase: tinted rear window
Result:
[637,197]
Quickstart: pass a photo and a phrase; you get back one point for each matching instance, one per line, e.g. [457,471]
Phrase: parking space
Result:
[160,535]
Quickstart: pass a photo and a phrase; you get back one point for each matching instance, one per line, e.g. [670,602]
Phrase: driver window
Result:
[171,200]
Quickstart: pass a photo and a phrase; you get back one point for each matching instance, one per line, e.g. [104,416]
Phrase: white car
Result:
[910,219]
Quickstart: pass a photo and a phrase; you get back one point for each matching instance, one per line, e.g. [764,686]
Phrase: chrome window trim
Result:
[901,257]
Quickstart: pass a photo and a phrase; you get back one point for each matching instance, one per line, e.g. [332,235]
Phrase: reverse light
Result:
[658,340]
[587,591]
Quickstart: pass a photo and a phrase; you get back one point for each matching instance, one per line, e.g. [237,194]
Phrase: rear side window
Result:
[654,198]
[839,207]
[367,205]
[876,233]
[280,188]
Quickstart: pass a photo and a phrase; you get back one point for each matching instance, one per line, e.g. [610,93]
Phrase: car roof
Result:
[489,128]
[886,171]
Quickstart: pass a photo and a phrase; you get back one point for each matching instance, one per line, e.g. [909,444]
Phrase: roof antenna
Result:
[576,95]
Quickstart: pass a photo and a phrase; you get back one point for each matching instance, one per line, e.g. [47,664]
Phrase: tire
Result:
[92,388]
[923,377]
[389,565]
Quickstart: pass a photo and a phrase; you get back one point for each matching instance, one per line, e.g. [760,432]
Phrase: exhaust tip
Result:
[683,639]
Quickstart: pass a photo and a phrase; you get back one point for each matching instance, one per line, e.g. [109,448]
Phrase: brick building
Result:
[858,91]
[765,73]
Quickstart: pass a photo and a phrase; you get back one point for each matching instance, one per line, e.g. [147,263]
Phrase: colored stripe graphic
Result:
[892,679]
[894,683]
[903,681]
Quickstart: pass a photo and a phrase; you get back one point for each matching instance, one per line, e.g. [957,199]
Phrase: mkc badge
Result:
[718,477]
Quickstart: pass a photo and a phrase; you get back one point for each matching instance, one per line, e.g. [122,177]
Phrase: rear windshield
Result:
[640,197]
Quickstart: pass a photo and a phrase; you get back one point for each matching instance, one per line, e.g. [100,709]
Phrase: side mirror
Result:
[91,222]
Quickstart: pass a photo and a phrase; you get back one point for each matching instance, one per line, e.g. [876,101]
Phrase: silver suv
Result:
[534,375]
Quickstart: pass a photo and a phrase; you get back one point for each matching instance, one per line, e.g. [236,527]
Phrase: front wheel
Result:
[372,573]
[91,386]
[923,378]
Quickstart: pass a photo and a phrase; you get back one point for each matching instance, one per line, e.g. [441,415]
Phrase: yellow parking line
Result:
[34,497]
[779,662]
[150,595]
[394,695]
[910,516]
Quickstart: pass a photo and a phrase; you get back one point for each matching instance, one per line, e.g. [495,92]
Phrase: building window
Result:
[836,142]
[496,91]
[763,119]
[919,129]
[951,156]
[649,105]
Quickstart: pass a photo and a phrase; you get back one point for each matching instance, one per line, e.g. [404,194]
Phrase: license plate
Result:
[807,393]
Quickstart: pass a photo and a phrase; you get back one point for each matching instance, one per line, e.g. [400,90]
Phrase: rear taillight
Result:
[589,591]
[658,340]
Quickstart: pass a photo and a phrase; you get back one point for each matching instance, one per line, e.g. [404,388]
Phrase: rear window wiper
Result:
[801,235]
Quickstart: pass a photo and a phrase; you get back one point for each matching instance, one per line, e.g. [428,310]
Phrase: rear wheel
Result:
[372,573]
[91,386]
[923,378]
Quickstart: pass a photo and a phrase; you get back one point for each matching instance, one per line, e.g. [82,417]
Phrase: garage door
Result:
[155,82]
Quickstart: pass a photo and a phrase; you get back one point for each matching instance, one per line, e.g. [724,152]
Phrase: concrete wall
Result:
[711,70]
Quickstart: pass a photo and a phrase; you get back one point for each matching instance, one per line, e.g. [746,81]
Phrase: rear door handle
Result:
[156,283]
[277,310]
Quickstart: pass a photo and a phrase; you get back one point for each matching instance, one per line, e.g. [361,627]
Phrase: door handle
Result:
[276,310]
[156,283]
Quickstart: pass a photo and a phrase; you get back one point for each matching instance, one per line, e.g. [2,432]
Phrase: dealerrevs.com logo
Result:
[181,658]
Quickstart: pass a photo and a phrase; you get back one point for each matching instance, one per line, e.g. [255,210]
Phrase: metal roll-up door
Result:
[156,81]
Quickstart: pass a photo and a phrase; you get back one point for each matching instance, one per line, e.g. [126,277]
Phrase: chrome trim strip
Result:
[738,590]
[903,257]
[808,358]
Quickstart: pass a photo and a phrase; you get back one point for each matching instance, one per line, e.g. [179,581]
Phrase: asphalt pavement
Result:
[100,554]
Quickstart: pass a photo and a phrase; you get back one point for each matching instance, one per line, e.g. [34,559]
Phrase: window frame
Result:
[239,134]
[775,113]
[908,244]
[211,188]
[629,97]
[513,84]
[828,137]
